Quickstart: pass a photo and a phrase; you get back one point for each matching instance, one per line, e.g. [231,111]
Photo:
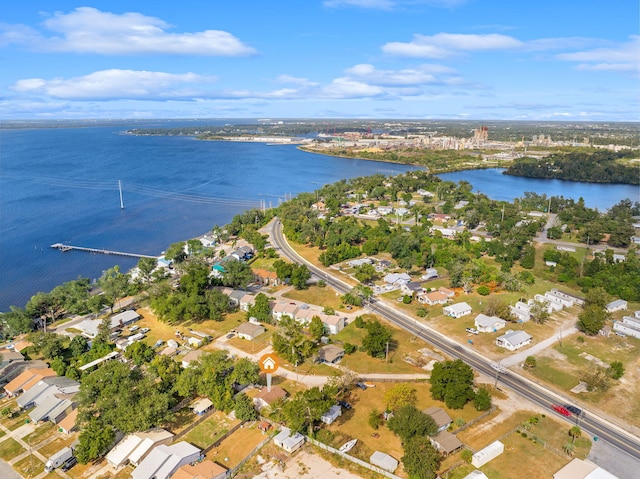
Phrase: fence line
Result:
[235,470]
[473,421]
[191,426]
[355,460]
[223,437]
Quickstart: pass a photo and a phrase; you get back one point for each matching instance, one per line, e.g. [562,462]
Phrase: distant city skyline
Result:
[409,59]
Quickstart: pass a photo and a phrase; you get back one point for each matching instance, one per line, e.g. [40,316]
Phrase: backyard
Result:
[210,430]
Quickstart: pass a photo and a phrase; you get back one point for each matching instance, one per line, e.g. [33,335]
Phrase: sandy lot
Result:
[304,465]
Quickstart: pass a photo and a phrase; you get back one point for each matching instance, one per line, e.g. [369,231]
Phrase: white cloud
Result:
[442,45]
[419,76]
[115,84]
[295,80]
[623,57]
[89,30]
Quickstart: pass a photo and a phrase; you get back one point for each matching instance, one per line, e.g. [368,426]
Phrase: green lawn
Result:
[9,449]
[29,467]
[40,434]
[325,297]
[210,430]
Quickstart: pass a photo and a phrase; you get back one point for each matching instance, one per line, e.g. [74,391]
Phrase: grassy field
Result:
[354,423]
[40,434]
[181,420]
[210,430]
[401,345]
[29,467]
[564,367]
[236,447]
[325,297]
[10,449]
[57,444]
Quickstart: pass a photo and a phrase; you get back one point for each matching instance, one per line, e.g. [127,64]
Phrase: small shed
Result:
[383,461]
[201,406]
[194,342]
[288,440]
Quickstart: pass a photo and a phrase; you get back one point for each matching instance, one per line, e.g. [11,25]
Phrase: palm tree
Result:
[568,449]
[575,432]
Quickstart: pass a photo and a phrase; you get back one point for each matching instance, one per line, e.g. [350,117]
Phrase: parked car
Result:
[133,329]
[159,343]
[361,386]
[145,330]
[345,404]
[472,331]
[575,410]
[561,409]
[69,463]
[230,335]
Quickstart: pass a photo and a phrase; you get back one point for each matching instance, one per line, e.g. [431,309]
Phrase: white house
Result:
[552,305]
[249,331]
[513,340]
[163,460]
[629,326]
[457,310]
[434,297]
[411,288]
[395,280]
[332,414]
[521,311]
[247,301]
[281,309]
[332,324]
[617,305]
[489,324]
[430,273]
[288,441]
[566,301]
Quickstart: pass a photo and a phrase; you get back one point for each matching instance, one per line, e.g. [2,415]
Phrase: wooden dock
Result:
[67,247]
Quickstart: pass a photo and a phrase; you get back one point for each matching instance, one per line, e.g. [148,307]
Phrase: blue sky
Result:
[414,59]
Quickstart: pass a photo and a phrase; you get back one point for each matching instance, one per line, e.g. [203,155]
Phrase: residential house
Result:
[45,388]
[249,331]
[430,273]
[629,326]
[332,414]
[617,305]
[247,301]
[457,310]
[552,305]
[281,309]
[330,354]
[354,263]
[265,277]
[395,280]
[521,311]
[69,423]
[565,301]
[266,398]
[201,470]
[513,340]
[580,469]
[576,299]
[133,448]
[385,210]
[449,293]
[445,232]
[439,416]
[434,297]
[383,461]
[164,460]
[191,356]
[441,217]
[423,192]
[489,324]
[446,443]
[28,378]
[235,296]
[201,406]
[333,324]
[288,440]
[411,288]
[194,342]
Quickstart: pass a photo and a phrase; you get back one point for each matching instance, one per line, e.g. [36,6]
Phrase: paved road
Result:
[542,396]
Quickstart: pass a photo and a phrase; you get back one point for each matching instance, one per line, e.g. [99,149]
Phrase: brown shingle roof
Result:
[439,415]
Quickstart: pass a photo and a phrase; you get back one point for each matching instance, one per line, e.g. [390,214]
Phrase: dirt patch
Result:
[304,465]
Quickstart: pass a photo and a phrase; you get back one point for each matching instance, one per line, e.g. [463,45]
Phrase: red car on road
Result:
[561,409]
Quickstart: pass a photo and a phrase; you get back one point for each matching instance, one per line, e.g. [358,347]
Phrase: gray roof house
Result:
[332,414]
[439,416]
[383,461]
[249,330]
[330,354]
[457,310]
[287,440]
[135,447]
[617,305]
[489,324]
[163,460]
[513,340]
[45,388]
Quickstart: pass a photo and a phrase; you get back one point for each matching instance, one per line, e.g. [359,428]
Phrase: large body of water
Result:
[61,185]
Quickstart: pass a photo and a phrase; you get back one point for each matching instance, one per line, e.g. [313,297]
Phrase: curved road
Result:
[618,437]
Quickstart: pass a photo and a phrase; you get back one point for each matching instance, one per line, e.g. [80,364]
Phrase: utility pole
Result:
[386,354]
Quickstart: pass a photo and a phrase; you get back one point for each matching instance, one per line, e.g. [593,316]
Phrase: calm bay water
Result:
[61,185]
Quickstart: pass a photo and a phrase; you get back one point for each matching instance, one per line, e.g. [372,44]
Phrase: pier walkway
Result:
[68,247]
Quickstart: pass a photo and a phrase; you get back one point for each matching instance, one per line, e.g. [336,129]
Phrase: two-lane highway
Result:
[536,393]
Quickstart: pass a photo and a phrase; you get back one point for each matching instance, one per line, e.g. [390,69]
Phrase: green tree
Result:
[421,460]
[377,340]
[539,311]
[575,432]
[114,285]
[366,273]
[616,369]
[95,440]
[482,399]
[16,321]
[375,419]
[408,422]
[466,455]
[299,276]
[592,319]
[316,328]
[50,345]
[146,267]
[237,274]
[399,395]
[530,362]
[306,408]
[261,310]
[140,353]
[245,411]
[78,346]
[452,382]
[59,365]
